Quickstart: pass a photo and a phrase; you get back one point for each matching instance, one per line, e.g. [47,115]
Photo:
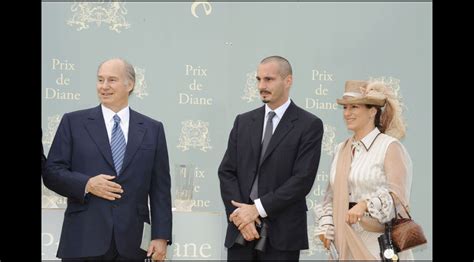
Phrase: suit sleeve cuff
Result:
[260,209]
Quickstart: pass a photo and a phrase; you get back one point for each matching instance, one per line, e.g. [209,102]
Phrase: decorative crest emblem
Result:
[328,143]
[140,83]
[194,134]
[205,4]
[99,12]
[251,90]
[53,123]
[49,200]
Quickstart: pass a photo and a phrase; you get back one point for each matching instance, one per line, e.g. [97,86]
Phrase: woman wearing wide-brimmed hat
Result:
[367,168]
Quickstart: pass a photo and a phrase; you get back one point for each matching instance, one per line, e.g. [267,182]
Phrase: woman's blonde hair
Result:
[391,119]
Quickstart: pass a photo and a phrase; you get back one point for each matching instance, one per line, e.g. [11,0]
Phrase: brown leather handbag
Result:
[406,233]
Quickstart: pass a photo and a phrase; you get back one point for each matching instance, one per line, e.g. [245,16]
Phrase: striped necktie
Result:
[117,144]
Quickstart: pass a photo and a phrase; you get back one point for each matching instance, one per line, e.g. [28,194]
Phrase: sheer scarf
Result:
[348,243]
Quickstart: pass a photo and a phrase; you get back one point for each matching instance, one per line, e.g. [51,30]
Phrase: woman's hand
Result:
[356,213]
[325,241]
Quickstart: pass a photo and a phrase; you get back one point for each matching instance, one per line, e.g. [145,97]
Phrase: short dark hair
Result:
[285,67]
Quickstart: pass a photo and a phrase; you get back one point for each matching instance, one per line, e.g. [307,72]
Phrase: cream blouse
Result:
[367,180]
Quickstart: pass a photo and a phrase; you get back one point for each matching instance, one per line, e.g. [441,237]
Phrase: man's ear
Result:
[289,80]
[130,87]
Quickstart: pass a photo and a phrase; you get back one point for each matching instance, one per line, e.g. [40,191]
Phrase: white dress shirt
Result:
[279,112]
[124,115]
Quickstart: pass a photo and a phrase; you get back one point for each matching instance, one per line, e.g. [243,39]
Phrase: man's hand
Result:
[243,215]
[249,232]
[157,249]
[101,186]
[356,213]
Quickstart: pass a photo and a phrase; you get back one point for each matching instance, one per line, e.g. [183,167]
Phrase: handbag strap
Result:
[395,205]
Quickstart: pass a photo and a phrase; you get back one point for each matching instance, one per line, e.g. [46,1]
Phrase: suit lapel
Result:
[284,126]
[255,130]
[255,133]
[95,126]
[136,132]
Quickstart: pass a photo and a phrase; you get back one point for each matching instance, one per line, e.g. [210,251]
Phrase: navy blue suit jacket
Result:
[81,150]
[286,175]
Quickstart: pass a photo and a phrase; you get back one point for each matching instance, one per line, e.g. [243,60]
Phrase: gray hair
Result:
[285,67]
[129,71]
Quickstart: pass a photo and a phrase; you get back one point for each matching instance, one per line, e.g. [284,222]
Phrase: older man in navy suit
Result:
[268,169]
[108,160]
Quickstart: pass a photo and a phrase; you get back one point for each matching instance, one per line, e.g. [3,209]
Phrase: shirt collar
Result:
[124,114]
[369,139]
[278,111]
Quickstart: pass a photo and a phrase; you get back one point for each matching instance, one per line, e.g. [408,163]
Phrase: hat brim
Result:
[362,100]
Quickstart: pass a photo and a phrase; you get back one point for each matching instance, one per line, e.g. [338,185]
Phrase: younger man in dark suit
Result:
[268,169]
